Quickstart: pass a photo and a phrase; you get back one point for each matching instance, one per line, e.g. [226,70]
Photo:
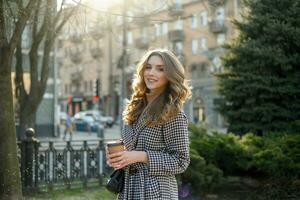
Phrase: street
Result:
[109,134]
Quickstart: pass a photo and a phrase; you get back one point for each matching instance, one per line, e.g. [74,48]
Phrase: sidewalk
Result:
[109,134]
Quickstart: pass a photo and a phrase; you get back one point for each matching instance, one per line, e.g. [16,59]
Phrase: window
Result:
[221,39]
[157,29]
[178,4]
[203,43]
[85,86]
[193,21]
[203,18]
[165,28]
[130,14]
[66,88]
[129,37]
[194,46]
[178,48]
[178,25]
[220,14]
[144,32]
[91,86]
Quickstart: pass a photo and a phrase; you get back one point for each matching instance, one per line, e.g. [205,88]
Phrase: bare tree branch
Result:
[35,19]
[33,54]
[10,10]
[20,3]
[3,38]
[23,16]
[19,81]
[65,19]
[45,26]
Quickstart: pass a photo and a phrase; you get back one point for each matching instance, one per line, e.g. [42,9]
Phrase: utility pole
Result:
[123,63]
[111,77]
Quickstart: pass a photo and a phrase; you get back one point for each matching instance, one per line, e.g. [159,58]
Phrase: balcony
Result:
[181,58]
[217,26]
[176,10]
[96,52]
[75,55]
[97,34]
[76,77]
[141,20]
[76,38]
[142,43]
[216,3]
[176,35]
[213,52]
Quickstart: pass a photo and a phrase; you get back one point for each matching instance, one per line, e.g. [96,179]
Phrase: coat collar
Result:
[133,132]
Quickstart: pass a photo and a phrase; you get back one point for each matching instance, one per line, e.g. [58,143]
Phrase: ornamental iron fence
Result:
[56,164]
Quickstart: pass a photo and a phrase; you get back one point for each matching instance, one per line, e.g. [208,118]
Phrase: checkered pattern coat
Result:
[167,147]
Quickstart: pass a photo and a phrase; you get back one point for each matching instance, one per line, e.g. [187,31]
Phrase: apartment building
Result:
[194,30]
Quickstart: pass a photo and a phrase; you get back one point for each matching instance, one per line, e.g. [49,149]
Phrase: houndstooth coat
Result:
[167,147]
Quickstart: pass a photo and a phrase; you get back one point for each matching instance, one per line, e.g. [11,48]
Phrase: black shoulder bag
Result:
[116,181]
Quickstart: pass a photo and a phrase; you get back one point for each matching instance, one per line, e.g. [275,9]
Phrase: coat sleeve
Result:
[175,159]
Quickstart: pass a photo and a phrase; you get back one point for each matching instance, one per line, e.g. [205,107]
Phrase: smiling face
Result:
[154,73]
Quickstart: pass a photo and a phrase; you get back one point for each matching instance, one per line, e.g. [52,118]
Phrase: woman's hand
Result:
[124,158]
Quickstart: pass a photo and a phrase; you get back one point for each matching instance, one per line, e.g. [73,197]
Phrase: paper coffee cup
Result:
[115,146]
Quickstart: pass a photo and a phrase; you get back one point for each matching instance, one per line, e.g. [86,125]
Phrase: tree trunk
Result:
[27,119]
[10,183]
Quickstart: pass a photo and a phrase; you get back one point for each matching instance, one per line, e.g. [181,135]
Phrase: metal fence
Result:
[50,165]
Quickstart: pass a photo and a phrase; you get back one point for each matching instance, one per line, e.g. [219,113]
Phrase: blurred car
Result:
[83,122]
[108,121]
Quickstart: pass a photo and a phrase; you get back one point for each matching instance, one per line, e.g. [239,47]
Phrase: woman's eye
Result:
[148,67]
[161,69]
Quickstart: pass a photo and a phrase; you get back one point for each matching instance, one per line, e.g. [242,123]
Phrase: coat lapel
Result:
[131,133]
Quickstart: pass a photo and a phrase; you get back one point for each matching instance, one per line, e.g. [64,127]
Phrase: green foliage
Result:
[274,156]
[279,157]
[261,82]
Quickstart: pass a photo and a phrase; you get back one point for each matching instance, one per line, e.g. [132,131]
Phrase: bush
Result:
[201,175]
[222,150]
[272,156]
[279,157]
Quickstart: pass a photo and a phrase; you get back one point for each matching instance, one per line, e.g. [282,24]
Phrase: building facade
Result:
[194,30]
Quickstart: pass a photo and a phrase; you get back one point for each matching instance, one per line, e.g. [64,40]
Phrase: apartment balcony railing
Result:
[176,35]
[76,38]
[142,43]
[176,10]
[214,51]
[217,26]
[141,20]
[217,2]
[181,58]
[96,52]
[76,77]
[75,58]
[75,55]
[97,34]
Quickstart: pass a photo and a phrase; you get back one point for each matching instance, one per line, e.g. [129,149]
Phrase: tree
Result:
[261,82]
[10,185]
[14,16]
[45,25]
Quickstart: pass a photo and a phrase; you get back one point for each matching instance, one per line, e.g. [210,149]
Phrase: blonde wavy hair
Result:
[169,103]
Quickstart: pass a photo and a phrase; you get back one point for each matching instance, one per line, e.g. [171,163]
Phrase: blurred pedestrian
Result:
[155,133]
[68,127]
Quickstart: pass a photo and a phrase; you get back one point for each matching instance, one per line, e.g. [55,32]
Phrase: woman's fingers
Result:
[118,154]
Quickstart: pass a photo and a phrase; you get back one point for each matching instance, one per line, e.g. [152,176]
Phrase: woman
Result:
[155,134]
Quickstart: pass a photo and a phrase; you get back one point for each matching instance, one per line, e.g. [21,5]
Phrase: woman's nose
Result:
[152,71]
